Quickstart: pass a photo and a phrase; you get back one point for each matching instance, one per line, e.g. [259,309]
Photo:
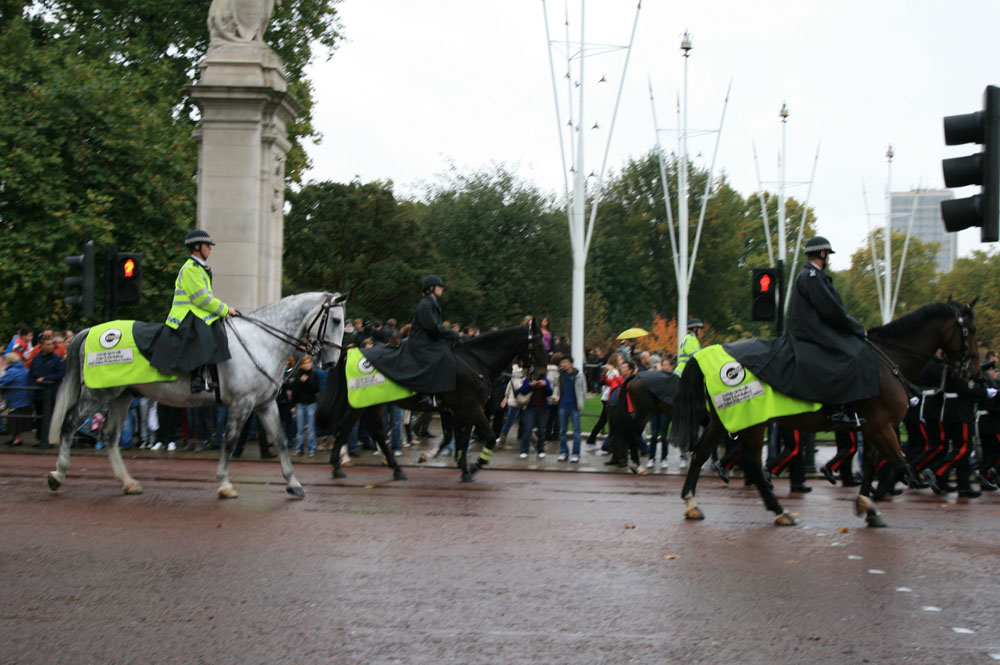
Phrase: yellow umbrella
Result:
[632,333]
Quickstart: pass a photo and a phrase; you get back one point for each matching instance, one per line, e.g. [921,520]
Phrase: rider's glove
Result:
[991,392]
[914,400]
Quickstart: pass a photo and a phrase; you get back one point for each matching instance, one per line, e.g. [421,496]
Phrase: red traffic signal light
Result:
[127,271]
[765,294]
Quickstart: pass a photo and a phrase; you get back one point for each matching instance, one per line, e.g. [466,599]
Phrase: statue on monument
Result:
[239,20]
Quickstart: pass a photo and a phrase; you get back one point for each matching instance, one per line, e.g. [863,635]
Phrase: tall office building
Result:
[927,224]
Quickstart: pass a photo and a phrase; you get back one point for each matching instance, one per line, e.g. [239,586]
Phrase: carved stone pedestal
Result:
[245,107]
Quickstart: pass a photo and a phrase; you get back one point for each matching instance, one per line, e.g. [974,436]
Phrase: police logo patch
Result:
[365,367]
[732,373]
[110,338]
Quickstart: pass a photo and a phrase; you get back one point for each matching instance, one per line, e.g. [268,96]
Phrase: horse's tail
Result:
[332,406]
[690,410]
[69,390]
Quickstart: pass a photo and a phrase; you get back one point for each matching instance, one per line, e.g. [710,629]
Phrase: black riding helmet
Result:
[430,282]
[198,237]
[817,244]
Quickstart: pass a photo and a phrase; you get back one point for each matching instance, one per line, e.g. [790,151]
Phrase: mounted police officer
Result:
[690,345]
[823,357]
[195,338]
[825,335]
[424,362]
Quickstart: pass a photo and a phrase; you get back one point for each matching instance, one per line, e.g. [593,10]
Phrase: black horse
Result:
[647,393]
[480,360]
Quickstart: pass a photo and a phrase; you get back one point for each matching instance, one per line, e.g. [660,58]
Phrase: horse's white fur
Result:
[243,388]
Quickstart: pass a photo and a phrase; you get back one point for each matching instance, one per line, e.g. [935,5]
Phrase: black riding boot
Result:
[198,380]
[843,416]
[429,402]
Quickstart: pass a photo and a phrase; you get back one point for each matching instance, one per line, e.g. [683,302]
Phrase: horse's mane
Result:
[914,320]
[264,312]
[488,339]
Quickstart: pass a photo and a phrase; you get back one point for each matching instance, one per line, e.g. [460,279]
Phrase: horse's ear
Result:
[973,302]
[341,299]
[950,299]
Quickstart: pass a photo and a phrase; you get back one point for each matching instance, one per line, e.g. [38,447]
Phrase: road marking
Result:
[930,608]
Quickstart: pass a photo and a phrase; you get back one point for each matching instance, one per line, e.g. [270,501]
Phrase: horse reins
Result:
[300,344]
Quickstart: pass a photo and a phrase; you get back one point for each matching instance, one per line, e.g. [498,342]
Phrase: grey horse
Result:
[260,344]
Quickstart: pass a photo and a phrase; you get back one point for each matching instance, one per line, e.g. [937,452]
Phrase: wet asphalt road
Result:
[517,567]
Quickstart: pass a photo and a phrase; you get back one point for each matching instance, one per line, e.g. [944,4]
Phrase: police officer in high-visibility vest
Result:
[690,345]
[195,338]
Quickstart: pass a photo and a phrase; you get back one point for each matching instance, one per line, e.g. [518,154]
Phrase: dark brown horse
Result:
[480,360]
[904,346]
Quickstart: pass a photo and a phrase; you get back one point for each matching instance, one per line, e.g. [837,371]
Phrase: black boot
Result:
[842,416]
[197,380]
[429,402]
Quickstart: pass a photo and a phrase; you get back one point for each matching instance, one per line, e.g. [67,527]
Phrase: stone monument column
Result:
[245,107]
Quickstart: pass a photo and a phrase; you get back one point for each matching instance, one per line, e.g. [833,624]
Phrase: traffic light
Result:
[126,271]
[982,168]
[84,281]
[766,288]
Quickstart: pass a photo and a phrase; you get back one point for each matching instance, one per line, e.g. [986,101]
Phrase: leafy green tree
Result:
[977,276]
[356,238]
[504,249]
[918,287]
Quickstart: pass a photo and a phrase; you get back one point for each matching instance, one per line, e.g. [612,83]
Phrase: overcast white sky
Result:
[420,85]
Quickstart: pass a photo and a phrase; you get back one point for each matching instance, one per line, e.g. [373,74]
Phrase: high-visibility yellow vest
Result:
[193,293]
[689,347]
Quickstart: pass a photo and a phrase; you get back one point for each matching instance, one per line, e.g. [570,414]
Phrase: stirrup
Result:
[429,401]
[841,417]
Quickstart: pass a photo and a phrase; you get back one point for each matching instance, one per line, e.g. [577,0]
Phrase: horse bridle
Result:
[306,344]
[962,365]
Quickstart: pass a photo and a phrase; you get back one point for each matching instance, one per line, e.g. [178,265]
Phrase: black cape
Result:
[192,345]
[823,357]
[424,362]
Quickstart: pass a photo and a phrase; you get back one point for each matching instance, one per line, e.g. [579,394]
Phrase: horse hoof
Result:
[468,477]
[339,473]
[784,519]
[694,513]
[296,492]
[54,483]
[863,506]
[132,489]
[398,475]
[875,520]
[228,493]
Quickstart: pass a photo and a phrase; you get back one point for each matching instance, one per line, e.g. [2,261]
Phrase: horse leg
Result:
[271,422]
[480,421]
[702,451]
[463,436]
[236,418]
[340,440]
[373,421]
[878,440]
[86,405]
[753,443]
[113,431]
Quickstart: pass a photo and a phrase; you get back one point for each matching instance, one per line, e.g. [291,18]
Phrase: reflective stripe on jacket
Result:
[193,293]
[690,347]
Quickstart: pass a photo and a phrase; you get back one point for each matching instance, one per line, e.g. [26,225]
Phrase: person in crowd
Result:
[21,342]
[561,345]
[13,383]
[842,462]
[659,423]
[616,445]
[958,422]
[609,375]
[569,395]
[534,412]
[512,403]
[929,447]
[194,339]
[46,372]
[791,443]
[545,325]
[305,390]
[989,429]
[551,428]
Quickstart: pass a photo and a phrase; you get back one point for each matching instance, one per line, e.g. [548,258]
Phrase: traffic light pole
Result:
[779,326]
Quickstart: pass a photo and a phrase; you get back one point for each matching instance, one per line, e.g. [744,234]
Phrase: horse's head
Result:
[531,353]
[325,332]
[958,340]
